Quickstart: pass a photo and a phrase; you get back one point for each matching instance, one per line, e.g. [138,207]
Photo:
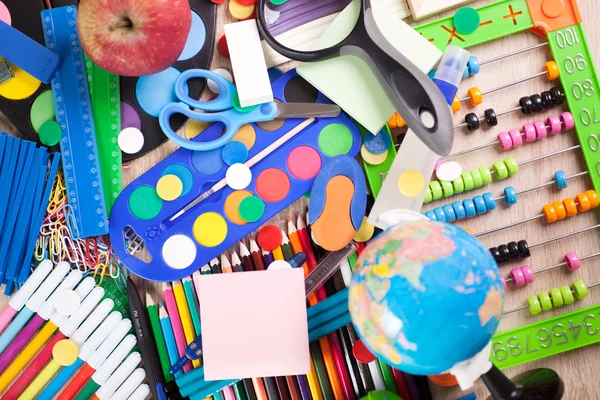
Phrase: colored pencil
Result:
[225,264]
[246,257]
[215,266]
[190,296]
[400,380]
[196,277]
[267,258]
[167,332]
[278,253]
[180,339]
[236,263]
[257,258]
[295,242]
[158,335]
[184,314]
[324,342]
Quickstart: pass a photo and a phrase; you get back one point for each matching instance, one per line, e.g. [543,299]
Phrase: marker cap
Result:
[106,348]
[82,290]
[18,300]
[47,308]
[134,380]
[99,335]
[113,361]
[46,288]
[120,374]
[141,393]
[71,324]
[93,321]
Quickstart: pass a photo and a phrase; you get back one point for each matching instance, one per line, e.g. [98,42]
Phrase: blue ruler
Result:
[72,103]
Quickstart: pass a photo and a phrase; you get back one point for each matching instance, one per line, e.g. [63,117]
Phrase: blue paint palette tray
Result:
[180,247]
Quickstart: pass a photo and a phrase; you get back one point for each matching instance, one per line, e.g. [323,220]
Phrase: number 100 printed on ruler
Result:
[546,338]
[582,90]
[72,102]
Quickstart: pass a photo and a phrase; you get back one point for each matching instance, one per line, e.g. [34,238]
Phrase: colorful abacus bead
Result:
[536,101]
[558,297]
[552,71]
[476,97]
[529,132]
[561,179]
[510,195]
[573,262]
[527,273]
[455,104]
[473,65]
[558,96]
[554,124]
[490,117]
[505,253]
[567,120]
[517,276]
[534,306]
[580,289]
[547,101]
[472,121]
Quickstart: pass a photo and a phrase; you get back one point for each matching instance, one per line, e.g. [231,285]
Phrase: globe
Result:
[425,296]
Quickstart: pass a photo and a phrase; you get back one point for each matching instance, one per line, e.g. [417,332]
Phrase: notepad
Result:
[254,324]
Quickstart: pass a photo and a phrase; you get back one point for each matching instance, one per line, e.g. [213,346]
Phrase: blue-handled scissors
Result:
[225,109]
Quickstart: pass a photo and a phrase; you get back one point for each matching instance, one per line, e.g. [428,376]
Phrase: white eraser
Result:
[248,63]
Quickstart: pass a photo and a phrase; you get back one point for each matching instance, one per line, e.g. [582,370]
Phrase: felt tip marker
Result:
[18,300]
[127,388]
[119,376]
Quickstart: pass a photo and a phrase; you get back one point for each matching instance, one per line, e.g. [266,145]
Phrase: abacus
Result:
[548,231]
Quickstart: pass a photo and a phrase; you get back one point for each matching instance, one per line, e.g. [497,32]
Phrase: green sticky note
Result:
[348,80]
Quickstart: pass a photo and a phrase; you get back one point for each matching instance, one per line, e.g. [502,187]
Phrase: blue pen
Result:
[193,351]
[165,323]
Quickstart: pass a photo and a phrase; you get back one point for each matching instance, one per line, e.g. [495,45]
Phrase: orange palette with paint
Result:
[187,219]
[338,200]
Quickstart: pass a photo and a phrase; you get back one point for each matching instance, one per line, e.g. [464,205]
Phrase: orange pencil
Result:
[336,387]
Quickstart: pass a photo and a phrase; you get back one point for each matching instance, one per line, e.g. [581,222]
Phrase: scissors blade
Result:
[306,110]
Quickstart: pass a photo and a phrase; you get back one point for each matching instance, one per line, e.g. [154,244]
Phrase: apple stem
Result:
[124,23]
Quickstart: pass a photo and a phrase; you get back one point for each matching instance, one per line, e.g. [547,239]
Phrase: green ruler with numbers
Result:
[582,90]
[546,338]
[106,107]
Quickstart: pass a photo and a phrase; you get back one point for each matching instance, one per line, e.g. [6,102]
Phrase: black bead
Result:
[523,248]
[490,117]
[526,105]
[547,100]
[504,253]
[472,121]
[558,97]
[538,105]
[495,254]
[513,250]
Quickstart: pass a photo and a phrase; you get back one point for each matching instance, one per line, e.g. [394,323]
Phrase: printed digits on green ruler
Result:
[580,82]
[546,338]
[106,107]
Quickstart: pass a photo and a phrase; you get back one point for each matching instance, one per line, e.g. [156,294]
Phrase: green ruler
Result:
[499,19]
[546,338]
[376,173]
[580,82]
[106,107]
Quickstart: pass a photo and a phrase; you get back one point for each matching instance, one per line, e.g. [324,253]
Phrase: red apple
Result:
[134,37]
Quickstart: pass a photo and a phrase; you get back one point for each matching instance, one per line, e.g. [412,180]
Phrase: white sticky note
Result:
[349,82]
[254,324]
[248,63]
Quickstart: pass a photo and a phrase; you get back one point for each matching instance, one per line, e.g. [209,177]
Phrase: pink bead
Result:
[518,277]
[573,262]
[505,140]
[567,121]
[527,273]
[529,131]
[437,164]
[515,136]
[554,123]
[540,130]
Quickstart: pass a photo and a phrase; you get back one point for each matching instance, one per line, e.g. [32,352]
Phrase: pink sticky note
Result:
[254,324]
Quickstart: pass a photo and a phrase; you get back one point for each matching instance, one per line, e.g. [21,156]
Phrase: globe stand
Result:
[537,384]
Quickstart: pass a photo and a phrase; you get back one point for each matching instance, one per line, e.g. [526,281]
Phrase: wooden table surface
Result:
[577,368]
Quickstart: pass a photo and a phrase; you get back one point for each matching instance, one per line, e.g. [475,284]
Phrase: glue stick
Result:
[450,71]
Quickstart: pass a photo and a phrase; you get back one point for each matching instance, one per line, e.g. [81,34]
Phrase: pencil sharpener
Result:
[6,73]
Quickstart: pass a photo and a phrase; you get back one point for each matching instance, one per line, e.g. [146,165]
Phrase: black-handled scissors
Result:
[411,92]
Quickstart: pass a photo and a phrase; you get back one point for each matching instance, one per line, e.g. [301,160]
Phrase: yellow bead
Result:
[476,96]
[561,212]
[550,213]
[456,104]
